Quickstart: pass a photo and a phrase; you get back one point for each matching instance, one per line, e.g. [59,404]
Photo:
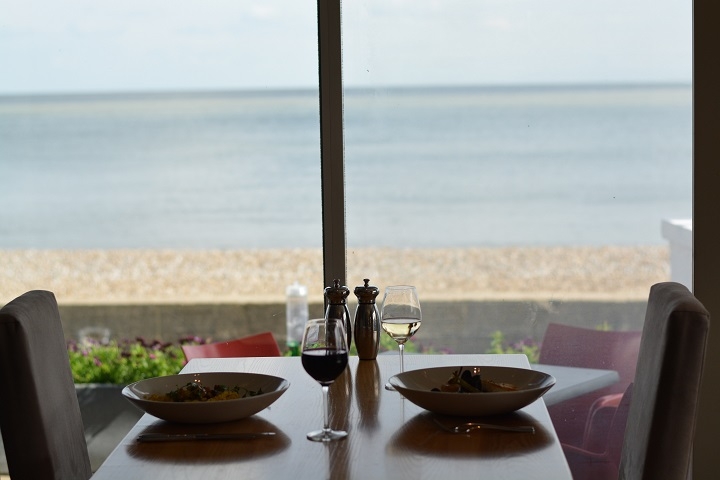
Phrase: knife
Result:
[180,437]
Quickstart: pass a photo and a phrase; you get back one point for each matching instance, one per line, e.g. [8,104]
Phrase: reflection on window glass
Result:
[161,153]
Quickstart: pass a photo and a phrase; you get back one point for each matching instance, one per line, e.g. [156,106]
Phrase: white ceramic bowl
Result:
[417,385]
[206,412]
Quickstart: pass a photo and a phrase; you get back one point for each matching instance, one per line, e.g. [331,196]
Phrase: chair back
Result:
[258,345]
[587,348]
[662,414]
[591,348]
[39,412]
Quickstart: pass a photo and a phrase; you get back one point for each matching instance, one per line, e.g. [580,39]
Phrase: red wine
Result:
[324,364]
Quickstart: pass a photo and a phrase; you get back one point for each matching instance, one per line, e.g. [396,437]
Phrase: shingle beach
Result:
[236,276]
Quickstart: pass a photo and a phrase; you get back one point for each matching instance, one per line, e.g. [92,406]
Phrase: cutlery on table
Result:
[470,426]
[179,437]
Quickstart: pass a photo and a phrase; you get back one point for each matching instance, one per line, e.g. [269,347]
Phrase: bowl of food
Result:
[206,397]
[472,390]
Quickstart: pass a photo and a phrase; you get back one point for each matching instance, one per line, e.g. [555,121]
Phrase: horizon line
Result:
[349,88]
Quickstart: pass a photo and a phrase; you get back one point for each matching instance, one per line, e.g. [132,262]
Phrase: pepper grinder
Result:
[337,306]
[367,321]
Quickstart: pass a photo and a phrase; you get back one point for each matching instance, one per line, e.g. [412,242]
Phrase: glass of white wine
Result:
[400,317]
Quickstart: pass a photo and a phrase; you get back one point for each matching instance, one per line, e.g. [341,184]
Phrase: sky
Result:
[56,46]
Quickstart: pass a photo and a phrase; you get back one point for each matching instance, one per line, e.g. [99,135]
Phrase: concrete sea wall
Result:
[459,326]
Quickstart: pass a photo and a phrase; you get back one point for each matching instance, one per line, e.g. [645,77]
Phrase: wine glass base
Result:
[388,386]
[326,435]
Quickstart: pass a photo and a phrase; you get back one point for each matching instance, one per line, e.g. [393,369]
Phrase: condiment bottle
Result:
[337,306]
[367,322]
[296,315]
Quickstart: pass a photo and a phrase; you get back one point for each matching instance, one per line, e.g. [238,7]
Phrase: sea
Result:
[475,166]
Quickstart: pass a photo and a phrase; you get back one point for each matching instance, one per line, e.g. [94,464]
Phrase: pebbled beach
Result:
[259,276]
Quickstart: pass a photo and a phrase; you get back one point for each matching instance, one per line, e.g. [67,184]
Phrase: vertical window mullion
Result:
[706,230]
[331,140]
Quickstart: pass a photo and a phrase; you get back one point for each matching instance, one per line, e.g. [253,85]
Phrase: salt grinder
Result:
[337,306]
[367,322]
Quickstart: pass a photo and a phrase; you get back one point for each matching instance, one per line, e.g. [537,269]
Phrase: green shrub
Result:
[125,361]
[528,346]
[387,344]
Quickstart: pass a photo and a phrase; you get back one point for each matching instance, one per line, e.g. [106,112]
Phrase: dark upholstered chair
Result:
[657,413]
[661,423]
[258,345]
[40,418]
[589,348]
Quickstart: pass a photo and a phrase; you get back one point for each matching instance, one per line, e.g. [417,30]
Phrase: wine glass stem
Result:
[402,362]
[326,409]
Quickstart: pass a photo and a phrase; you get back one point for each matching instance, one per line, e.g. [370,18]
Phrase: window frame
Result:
[706,229]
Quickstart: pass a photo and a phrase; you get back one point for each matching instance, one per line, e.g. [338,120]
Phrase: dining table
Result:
[573,382]
[388,436]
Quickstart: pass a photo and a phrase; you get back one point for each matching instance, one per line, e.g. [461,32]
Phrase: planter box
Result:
[107,418]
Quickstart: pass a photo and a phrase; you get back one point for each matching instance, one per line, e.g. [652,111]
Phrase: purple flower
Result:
[528,342]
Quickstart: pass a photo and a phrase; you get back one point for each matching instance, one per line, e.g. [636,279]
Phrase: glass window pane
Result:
[515,161]
[156,153]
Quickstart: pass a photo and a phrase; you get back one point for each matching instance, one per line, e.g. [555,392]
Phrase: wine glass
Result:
[400,317]
[324,357]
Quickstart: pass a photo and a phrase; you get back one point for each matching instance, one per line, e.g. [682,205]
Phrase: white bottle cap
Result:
[296,290]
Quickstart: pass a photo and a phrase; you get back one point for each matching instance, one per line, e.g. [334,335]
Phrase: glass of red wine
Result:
[324,357]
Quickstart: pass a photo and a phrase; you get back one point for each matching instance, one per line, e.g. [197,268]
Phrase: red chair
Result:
[589,348]
[651,433]
[601,461]
[258,345]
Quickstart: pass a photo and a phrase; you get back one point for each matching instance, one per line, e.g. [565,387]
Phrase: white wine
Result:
[400,329]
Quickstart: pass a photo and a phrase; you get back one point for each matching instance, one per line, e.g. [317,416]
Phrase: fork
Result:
[470,426]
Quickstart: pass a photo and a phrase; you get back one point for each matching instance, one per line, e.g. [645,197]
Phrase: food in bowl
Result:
[268,389]
[197,392]
[462,381]
[417,385]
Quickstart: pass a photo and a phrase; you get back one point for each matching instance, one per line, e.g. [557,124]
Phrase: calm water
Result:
[424,167]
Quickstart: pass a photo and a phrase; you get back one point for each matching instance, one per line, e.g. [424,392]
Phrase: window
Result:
[518,157]
[524,157]
[161,154]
